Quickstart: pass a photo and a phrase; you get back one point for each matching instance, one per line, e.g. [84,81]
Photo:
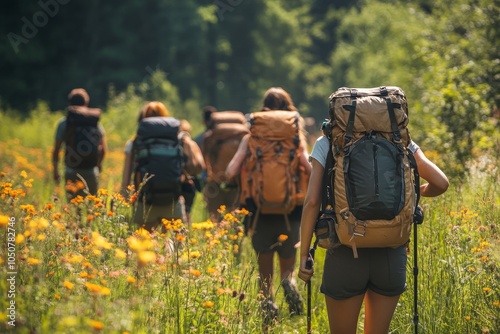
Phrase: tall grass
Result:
[81,267]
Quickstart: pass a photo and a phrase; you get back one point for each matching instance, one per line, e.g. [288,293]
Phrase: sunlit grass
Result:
[82,267]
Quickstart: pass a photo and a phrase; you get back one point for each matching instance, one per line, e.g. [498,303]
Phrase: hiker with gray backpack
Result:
[158,161]
[364,191]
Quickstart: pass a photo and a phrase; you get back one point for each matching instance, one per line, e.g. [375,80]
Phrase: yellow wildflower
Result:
[131,279]
[33,261]
[207,304]
[23,174]
[4,221]
[146,256]
[97,289]
[68,285]
[119,254]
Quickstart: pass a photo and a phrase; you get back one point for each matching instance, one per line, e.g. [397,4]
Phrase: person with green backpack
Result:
[364,138]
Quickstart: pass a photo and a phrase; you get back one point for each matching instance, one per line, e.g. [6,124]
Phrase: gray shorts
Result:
[382,270]
[270,227]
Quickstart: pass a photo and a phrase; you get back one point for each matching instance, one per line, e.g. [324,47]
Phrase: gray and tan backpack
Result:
[374,176]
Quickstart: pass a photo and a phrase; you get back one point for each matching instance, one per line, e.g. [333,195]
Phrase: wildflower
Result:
[68,285]
[207,304]
[4,221]
[146,257]
[211,270]
[486,289]
[100,242]
[57,297]
[496,303]
[221,209]
[97,325]
[23,174]
[119,254]
[102,192]
[19,239]
[97,289]
[194,254]
[195,272]
[33,261]
[131,279]
[220,291]
[281,239]
[467,317]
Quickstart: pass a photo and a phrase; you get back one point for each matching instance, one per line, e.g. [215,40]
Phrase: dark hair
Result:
[207,113]
[78,97]
[276,98]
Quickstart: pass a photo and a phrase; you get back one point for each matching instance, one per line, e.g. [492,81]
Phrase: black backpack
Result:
[82,137]
[159,158]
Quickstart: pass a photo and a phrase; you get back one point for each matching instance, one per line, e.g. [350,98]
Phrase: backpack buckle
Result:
[359,228]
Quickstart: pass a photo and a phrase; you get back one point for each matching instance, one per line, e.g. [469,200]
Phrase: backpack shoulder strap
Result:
[327,200]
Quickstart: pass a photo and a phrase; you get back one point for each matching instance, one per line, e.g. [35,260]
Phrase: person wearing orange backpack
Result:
[269,158]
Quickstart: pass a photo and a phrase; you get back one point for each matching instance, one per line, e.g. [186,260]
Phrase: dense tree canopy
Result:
[228,52]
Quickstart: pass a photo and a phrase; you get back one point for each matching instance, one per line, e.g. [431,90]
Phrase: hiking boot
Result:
[292,297]
[269,312]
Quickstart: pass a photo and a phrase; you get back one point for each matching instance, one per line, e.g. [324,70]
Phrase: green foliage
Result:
[227,53]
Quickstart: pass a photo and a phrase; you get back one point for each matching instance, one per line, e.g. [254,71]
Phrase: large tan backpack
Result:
[226,129]
[272,173]
[375,181]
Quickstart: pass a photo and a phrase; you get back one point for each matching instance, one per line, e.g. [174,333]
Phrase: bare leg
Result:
[287,266]
[343,314]
[379,310]
[266,268]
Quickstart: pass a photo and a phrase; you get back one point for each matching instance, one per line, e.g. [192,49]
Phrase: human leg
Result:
[343,314]
[379,310]
[292,295]
[266,274]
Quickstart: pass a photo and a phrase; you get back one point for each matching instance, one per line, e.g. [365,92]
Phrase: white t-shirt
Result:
[322,145]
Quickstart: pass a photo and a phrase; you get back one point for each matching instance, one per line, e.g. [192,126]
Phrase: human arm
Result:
[127,172]
[310,213]
[195,162]
[437,181]
[304,156]
[55,160]
[103,148]
[234,166]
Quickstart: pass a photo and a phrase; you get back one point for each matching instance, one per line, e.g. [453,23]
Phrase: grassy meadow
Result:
[80,267]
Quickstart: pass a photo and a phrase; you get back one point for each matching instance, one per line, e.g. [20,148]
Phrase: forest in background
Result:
[228,52]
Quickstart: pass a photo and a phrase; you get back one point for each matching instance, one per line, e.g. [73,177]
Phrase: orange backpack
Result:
[272,175]
[226,129]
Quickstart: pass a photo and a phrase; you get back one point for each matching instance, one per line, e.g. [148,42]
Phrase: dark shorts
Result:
[76,186]
[270,227]
[382,270]
[215,197]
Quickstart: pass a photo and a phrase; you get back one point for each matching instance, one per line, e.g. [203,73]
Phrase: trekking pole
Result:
[417,220]
[309,265]
[415,284]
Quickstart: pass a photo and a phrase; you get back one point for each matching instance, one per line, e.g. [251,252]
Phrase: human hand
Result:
[306,271]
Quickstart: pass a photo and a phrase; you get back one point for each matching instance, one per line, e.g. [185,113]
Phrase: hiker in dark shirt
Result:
[85,146]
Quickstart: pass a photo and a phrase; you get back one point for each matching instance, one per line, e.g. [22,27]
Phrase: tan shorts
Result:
[150,216]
